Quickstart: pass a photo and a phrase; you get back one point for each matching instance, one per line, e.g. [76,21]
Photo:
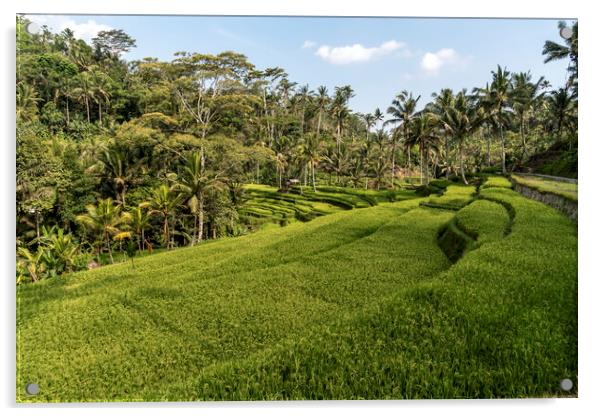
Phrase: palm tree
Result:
[554,51]
[461,120]
[497,104]
[339,110]
[402,111]
[194,182]
[524,98]
[84,92]
[115,167]
[369,120]
[378,116]
[140,219]
[105,219]
[422,133]
[321,103]
[281,164]
[563,112]
[309,151]
[304,97]
[101,93]
[27,102]
[337,160]
[163,202]
[379,165]
[441,104]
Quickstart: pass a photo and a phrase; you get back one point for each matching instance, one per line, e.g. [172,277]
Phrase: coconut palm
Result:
[140,219]
[84,92]
[496,102]
[441,104]
[194,182]
[101,91]
[281,164]
[106,220]
[563,112]
[304,97]
[339,110]
[378,116]
[525,96]
[554,51]
[310,152]
[423,133]
[462,119]
[369,120]
[322,100]
[27,102]
[402,111]
[163,202]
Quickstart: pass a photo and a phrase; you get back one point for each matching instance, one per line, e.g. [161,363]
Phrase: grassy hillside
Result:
[356,304]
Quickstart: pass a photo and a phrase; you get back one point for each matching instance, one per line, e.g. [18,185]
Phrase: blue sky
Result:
[378,57]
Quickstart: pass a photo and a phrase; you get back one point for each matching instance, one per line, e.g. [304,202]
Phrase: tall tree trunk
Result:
[503,150]
[305,174]
[488,146]
[313,175]
[166,231]
[110,249]
[447,161]
[201,219]
[461,145]
[524,139]
[87,109]
[99,113]
[319,121]
[421,150]
[393,164]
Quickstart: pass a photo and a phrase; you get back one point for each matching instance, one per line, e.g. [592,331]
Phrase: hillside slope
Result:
[357,304]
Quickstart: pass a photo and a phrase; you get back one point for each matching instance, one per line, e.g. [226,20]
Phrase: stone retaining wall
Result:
[562,204]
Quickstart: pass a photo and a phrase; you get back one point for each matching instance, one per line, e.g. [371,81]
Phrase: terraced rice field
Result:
[359,304]
[564,189]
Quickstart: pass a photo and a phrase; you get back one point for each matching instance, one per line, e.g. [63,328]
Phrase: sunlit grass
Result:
[564,189]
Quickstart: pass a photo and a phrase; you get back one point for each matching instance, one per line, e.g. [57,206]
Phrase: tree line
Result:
[114,154]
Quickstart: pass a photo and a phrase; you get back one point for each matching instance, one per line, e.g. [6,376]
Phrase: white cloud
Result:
[341,55]
[308,44]
[85,30]
[433,62]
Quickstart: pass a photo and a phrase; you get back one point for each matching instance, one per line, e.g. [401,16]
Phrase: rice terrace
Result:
[202,228]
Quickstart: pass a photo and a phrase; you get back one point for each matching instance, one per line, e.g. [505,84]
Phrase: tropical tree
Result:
[423,133]
[84,92]
[525,97]
[322,101]
[369,120]
[281,164]
[554,51]
[309,150]
[402,110]
[442,103]
[105,220]
[140,220]
[562,106]
[497,104]
[462,119]
[194,182]
[163,202]
[27,102]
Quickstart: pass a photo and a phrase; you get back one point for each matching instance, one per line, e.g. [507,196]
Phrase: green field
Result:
[564,189]
[361,303]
